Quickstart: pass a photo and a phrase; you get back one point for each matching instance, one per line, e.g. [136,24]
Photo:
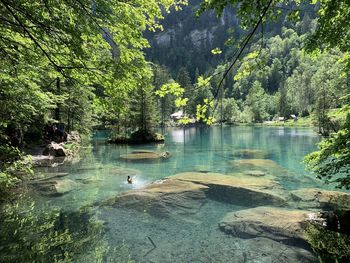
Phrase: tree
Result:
[142,111]
[54,54]
[230,111]
[256,100]
[184,80]
[85,45]
[166,104]
[332,162]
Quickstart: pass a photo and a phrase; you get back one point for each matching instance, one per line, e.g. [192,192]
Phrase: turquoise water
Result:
[100,175]
[192,149]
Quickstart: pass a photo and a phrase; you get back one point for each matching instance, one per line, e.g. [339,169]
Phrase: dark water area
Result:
[117,234]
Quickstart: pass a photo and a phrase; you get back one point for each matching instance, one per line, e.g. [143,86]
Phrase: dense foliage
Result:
[73,62]
[55,59]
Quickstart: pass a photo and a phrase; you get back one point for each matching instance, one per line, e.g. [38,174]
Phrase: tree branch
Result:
[246,41]
[57,67]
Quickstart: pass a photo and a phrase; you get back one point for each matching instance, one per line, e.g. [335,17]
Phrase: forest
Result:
[72,68]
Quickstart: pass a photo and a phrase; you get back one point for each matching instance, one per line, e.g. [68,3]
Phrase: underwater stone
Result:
[270,222]
[54,187]
[145,156]
[256,173]
[265,165]
[270,167]
[237,189]
[250,153]
[163,198]
[319,198]
[122,171]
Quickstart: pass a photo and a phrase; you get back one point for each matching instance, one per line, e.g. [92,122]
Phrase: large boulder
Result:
[163,198]
[237,188]
[55,149]
[145,156]
[42,160]
[47,160]
[319,198]
[270,222]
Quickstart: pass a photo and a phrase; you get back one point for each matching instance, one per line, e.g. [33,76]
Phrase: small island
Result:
[138,137]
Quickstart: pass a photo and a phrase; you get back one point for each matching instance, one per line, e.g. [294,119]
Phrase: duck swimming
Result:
[129,180]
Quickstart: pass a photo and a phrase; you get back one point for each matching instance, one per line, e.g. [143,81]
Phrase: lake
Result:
[133,235]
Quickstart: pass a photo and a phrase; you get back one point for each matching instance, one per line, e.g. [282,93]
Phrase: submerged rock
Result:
[264,165]
[185,193]
[271,169]
[270,222]
[50,176]
[145,156]
[163,198]
[123,172]
[237,189]
[319,198]
[54,187]
[90,180]
[256,173]
[250,154]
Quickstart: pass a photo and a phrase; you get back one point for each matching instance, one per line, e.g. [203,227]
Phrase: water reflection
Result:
[102,175]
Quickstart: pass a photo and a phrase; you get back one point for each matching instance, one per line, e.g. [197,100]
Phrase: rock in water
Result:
[163,198]
[265,165]
[256,173]
[238,189]
[54,187]
[145,156]
[319,198]
[270,222]
[55,149]
[250,154]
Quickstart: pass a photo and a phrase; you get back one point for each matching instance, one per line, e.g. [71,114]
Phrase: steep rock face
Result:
[187,40]
[270,222]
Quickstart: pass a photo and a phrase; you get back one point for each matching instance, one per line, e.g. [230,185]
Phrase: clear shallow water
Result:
[101,175]
[193,149]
